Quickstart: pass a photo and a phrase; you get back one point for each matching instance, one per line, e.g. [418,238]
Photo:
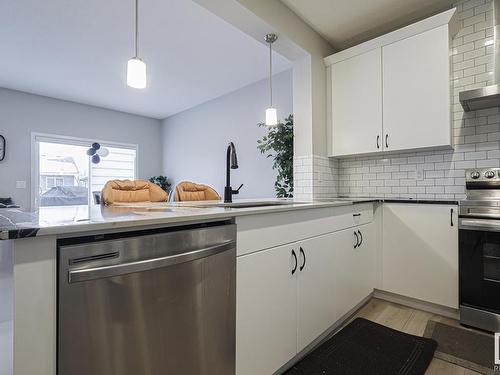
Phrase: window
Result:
[63,174]
[50,182]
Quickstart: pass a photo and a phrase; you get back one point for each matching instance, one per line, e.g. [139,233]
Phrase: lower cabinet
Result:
[354,267]
[288,296]
[420,252]
[316,283]
[266,310]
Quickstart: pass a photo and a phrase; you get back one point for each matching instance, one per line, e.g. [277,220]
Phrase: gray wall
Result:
[23,113]
[194,141]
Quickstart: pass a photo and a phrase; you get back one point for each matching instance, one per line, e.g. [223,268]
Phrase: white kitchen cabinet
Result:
[357,104]
[420,252]
[416,91]
[354,267]
[266,310]
[316,283]
[283,304]
[393,93]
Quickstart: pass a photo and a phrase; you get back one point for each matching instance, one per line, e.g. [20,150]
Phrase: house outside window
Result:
[64,175]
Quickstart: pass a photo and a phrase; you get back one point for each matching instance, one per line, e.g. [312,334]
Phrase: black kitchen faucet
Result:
[231,163]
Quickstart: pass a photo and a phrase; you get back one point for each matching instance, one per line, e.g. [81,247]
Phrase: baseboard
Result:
[416,304]
[325,335]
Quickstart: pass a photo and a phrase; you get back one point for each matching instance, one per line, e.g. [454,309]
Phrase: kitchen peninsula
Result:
[329,252]
[34,240]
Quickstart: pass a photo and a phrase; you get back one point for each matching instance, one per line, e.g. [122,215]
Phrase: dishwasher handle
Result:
[80,275]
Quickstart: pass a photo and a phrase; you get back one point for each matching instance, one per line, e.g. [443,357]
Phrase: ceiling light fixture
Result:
[136,68]
[271,113]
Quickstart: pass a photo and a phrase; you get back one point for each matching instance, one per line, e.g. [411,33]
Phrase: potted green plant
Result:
[278,145]
[162,182]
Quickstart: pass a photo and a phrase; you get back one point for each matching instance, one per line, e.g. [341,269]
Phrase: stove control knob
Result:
[489,174]
[475,175]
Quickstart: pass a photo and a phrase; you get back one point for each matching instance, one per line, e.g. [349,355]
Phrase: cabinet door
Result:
[416,87]
[354,267]
[316,307]
[266,315]
[420,252]
[357,104]
[364,263]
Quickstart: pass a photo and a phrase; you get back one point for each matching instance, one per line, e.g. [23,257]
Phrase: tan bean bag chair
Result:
[127,191]
[189,191]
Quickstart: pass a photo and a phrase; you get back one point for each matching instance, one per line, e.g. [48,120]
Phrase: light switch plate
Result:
[20,184]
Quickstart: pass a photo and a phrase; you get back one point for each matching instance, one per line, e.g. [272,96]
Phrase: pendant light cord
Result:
[136,28]
[271,72]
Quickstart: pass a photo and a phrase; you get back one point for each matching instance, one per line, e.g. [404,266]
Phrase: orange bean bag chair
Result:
[127,191]
[189,191]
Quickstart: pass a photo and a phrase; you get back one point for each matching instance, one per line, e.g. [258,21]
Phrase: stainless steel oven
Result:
[479,251]
[149,304]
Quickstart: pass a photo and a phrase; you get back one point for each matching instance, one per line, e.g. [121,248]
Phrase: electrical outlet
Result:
[20,184]
[420,173]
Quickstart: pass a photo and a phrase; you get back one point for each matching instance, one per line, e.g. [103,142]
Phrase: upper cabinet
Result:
[416,91]
[393,93]
[356,85]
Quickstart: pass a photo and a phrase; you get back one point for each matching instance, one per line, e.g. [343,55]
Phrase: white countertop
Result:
[15,223]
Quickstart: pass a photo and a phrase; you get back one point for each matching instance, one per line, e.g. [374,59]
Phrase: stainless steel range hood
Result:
[489,96]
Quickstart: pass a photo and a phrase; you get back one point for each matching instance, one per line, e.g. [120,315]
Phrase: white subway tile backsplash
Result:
[475,155]
[481,17]
[391,168]
[490,163]
[416,190]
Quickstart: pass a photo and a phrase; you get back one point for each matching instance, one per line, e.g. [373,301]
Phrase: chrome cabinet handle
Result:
[147,264]
[451,216]
[387,141]
[357,240]
[296,262]
[304,257]
[378,141]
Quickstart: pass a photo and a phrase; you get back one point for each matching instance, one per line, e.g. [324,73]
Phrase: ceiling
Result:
[78,50]
[346,23]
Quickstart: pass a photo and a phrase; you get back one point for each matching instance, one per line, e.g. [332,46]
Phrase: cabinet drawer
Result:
[258,232]
[362,214]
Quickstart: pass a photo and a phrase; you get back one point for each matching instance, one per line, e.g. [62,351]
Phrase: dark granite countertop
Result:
[398,200]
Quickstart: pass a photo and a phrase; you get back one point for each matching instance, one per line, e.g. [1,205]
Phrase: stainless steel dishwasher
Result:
[154,304]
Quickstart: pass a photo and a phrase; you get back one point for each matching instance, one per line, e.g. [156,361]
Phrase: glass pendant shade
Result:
[136,73]
[271,113]
[271,116]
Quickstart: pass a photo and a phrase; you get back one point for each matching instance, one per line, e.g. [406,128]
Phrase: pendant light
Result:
[271,113]
[136,68]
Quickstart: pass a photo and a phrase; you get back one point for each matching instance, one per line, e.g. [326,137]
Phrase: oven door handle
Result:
[480,224]
[147,264]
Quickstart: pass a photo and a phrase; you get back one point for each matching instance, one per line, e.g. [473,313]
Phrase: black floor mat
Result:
[364,347]
[464,347]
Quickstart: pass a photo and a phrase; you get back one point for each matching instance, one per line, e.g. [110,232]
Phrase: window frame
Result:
[36,138]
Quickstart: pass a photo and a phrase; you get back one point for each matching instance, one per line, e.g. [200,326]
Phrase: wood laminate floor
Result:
[411,321]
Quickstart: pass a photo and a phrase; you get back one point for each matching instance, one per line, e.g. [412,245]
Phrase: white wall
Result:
[195,141]
[22,113]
